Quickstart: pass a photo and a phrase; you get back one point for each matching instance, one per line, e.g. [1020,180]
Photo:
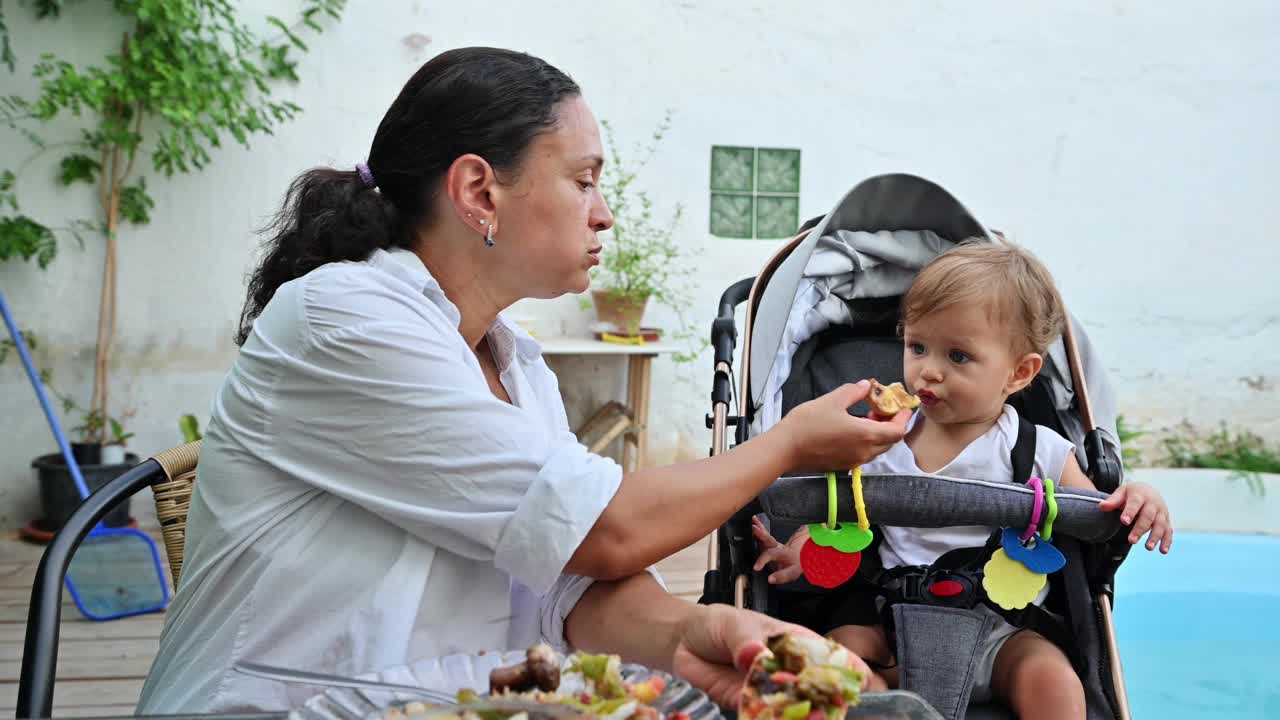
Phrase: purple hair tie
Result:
[366,175]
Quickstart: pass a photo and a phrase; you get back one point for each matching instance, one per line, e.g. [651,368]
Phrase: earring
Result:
[488,238]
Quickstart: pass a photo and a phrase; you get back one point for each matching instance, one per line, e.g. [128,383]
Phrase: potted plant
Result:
[642,261]
[183,77]
[100,462]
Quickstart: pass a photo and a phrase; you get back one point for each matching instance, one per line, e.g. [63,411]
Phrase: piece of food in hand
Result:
[888,400]
[800,677]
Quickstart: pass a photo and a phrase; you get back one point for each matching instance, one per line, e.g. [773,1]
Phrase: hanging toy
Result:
[833,551]
[1032,549]
[1019,569]
[1009,583]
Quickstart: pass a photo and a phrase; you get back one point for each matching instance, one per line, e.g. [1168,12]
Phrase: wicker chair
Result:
[171,475]
[173,500]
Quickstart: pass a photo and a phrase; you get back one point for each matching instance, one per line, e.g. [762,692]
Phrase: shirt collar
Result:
[508,337]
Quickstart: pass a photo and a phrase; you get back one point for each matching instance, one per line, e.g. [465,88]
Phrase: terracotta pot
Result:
[623,312]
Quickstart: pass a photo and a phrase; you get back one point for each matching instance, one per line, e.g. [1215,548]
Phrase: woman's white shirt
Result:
[364,500]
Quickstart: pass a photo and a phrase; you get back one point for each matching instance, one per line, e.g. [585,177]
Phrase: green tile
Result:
[779,171]
[731,215]
[732,168]
[777,217]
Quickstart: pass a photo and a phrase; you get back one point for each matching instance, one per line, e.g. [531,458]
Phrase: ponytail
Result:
[328,216]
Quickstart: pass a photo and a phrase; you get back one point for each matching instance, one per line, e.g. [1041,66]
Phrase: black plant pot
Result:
[86,453]
[58,494]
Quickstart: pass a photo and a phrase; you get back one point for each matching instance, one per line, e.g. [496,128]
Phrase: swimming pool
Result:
[1199,628]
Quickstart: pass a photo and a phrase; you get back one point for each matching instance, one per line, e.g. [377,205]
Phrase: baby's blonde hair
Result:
[1015,286]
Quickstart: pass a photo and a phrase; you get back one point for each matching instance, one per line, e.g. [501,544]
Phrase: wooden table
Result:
[614,418]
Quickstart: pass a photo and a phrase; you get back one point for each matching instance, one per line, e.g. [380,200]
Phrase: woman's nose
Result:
[600,218]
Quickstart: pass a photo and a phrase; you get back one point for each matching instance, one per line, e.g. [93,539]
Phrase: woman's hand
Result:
[825,437]
[718,644]
[692,499]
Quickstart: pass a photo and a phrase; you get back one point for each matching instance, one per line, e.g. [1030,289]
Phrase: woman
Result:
[388,472]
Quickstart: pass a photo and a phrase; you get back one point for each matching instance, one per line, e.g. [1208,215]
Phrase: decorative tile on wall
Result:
[733,168]
[732,215]
[777,217]
[779,171]
[755,192]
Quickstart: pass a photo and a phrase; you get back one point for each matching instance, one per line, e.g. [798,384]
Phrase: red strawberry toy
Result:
[827,567]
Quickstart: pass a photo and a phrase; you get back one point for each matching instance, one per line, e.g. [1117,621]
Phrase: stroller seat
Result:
[938,501]
[824,312]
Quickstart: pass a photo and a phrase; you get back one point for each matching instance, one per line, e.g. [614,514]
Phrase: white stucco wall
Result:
[1131,145]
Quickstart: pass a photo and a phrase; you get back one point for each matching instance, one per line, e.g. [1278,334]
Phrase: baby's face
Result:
[960,363]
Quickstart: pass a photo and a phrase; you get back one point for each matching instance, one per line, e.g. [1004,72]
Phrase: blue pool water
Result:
[1199,628]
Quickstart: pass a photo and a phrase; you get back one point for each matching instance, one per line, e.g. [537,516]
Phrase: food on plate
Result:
[539,671]
[602,694]
[428,711]
[800,677]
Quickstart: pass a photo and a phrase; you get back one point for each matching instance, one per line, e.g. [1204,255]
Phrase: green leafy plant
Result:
[96,426]
[1243,452]
[187,74]
[642,258]
[190,428]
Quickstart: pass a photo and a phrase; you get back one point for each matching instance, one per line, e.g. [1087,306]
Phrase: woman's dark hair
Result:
[486,101]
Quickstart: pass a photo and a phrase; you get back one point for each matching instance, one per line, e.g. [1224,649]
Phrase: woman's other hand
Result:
[718,644]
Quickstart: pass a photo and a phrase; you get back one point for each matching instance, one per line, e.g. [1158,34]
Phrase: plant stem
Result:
[102,179]
[133,151]
[109,289]
[107,314]
[99,371]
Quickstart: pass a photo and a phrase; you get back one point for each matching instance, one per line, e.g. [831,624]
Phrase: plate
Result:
[455,672]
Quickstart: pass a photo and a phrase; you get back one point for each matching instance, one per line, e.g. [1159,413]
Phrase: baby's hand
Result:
[1145,510]
[785,559]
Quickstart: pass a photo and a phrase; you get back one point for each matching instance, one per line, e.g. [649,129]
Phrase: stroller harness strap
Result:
[963,590]
[1022,456]
[954,580]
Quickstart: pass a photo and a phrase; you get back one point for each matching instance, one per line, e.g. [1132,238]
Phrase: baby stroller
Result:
[824,311]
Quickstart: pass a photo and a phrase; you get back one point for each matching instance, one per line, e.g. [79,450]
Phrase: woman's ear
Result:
[468,183]
[1024,372]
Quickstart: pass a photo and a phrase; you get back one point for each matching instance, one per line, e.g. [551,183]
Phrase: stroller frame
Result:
[731,552]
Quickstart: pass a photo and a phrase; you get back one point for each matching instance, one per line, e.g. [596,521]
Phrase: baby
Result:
[977,323]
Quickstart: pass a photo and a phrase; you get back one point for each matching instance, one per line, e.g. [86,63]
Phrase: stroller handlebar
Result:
[724,333]
[733,296]
[724,338]
[938,501]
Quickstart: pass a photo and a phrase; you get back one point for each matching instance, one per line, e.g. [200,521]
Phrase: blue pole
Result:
[21,345]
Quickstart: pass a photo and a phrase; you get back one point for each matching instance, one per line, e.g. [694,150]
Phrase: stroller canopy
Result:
[871,245]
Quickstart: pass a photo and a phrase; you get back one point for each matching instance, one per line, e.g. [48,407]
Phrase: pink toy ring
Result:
[1036,510]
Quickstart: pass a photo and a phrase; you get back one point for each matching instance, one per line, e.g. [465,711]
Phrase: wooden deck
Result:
[101,665]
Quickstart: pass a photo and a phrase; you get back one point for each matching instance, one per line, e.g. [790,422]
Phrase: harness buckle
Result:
[933,585]
[911,584]
[948,588]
